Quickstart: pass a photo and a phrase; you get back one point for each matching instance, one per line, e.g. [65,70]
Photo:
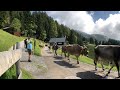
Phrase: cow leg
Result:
[68,57]
[56,52]
[65,55]
[117,65]
[95,65]
[77,61]
[61,53]
[95,62]
[109,70]
[102,66]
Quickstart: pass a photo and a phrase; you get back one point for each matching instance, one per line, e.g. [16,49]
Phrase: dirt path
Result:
[50,67]
[36,68]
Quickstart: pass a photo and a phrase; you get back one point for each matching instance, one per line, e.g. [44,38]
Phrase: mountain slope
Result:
[94,36]
[100,37]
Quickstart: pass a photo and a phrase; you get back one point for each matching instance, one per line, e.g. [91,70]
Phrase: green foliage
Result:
[38,24]
[91,40]
[37,50]
[7,40]
[96,42]
[26,75]
[10,73]
[4,18]
[16,24]
[91,50]
[53,29]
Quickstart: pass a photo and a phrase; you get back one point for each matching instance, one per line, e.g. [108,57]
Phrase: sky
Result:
[92,22]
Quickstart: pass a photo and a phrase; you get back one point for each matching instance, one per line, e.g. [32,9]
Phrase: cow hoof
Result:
[103,69]
[105,77]
[117,77]
[95,69]
[77,62]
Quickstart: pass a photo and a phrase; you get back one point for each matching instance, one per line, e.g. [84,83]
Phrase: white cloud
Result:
[83,21]
[78,20]
[109,27]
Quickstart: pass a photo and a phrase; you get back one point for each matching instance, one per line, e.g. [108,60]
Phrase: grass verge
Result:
[26,75]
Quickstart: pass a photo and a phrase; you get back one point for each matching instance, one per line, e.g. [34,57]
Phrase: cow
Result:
[55,47]
[64,47]
[74,50]
[109,54]
[49,47]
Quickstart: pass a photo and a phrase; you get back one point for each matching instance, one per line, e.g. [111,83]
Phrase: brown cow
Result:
[74,50]
[64,50]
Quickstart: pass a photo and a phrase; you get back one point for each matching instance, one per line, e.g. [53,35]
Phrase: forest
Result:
[38,24]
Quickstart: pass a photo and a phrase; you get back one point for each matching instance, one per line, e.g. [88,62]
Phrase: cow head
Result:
[85,51]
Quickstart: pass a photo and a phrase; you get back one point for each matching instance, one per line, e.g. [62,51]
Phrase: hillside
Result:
[100,37]
[7,40]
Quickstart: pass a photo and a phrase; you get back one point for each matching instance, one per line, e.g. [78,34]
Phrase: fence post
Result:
[18,62]
[14,47]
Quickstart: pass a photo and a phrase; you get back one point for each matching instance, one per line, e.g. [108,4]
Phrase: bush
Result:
[10,73]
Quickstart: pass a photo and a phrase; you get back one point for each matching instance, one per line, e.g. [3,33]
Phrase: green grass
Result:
[37,48]
[7,40]
[26,75]
[10,73]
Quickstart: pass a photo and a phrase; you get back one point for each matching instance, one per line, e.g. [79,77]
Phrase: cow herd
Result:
[103,53]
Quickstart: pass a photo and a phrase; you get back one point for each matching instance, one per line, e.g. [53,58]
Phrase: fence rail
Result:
[9,58]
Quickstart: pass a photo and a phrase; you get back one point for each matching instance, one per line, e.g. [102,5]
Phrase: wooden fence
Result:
[9,58]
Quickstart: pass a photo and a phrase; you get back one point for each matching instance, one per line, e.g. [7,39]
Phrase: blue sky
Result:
[102,14]
[92,22]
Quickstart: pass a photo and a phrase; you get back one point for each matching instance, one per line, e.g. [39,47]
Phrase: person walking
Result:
[25,43]
[29,48]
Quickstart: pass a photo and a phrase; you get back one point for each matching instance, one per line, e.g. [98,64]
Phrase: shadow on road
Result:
[49,52]
[58,57]
[88,75]
[23,61]
[66,64]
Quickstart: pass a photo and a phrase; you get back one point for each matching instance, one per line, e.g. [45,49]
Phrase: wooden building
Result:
[59,41]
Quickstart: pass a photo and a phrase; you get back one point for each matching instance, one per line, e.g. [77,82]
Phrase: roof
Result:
[57,40]
[6,27]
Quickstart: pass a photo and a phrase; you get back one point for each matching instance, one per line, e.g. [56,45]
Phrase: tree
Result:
[79,40]
[91,40]
[16,24]
[53,29]
[5,18]
[96,42]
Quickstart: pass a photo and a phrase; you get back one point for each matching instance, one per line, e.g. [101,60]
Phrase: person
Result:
[25,43]
[29,48]
[55,47]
